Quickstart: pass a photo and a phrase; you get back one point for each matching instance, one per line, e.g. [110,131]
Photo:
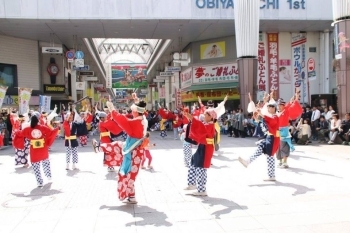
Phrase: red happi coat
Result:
[88,118]
[132,127]
[177,122]
[163,113]
[109,126]
[38,132]
[200,132]
[291,111]
[273,128]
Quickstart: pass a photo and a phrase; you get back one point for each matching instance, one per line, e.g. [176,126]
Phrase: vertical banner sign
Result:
[272,43]
[299,57]
[45,103]
[109,75]
[262,84]
[24,95]
[178,98]
[3,90]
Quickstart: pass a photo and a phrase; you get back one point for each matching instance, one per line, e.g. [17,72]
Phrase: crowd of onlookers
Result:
[315,124]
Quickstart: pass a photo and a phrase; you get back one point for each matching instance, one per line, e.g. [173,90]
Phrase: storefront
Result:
[210,82]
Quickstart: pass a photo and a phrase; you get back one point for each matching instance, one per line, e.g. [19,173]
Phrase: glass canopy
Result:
[117,50]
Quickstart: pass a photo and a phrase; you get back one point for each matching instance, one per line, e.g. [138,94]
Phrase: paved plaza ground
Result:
[312,196]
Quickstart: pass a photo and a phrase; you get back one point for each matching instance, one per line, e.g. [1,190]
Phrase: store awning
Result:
[212,86]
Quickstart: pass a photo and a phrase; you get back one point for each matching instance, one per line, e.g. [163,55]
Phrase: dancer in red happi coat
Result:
[131,150]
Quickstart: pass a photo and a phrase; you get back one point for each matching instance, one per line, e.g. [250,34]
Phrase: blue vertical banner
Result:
[44,103]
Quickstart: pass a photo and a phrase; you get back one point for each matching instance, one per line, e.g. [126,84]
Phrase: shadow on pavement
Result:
[224,158]
[299,189]
[218,167]
[38,193]
[298,157]
[228,204]
[299,171]
[72,173]
[150,216]
[22,170]
[111,176]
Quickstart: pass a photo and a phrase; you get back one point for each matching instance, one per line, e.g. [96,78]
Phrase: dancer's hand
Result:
[266,98]
[226,98]
[110,106]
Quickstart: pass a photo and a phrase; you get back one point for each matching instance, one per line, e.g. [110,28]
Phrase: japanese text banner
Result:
[273,66]
[216,73]
[3,90]
[24,95]
[298,62]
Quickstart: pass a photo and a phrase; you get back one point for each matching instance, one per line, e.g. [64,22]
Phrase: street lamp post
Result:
[341,17]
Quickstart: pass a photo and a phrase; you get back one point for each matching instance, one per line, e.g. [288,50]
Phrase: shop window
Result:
[8,75]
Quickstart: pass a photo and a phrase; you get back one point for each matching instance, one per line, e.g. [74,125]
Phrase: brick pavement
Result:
[312,196]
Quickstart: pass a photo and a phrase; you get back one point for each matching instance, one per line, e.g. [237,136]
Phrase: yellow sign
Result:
[213,50]
[53,88]
[205,95]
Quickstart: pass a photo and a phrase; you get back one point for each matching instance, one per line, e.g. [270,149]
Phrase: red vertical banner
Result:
[262,79]
[273,66]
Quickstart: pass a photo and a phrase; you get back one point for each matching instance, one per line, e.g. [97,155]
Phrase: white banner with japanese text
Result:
[45,103]
[215,73]
[24,95]
[299,63]
[3,90]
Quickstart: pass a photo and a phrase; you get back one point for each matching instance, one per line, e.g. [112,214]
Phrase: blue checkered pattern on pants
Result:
[187,154]
[201,176]
[72,151]
[191,177]
[46,167]
[163,133]
[270,166]
[257,153]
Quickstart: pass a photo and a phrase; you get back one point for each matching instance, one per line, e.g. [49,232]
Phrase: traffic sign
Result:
[165,74]
[79,55]
[70,55]
[85,68]
[79,62]
[173,69]
[310,65]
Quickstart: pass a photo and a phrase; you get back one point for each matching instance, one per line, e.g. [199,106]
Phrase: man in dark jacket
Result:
[322,129]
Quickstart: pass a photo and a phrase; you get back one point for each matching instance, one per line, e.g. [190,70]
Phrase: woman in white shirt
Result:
[334,130]
[329,114]
[304,131]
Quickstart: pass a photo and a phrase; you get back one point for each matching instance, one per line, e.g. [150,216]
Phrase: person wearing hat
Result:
[41,138]
[220,110]
[269,145]
[131,150]
[203,133]
[108,127]
[287,111]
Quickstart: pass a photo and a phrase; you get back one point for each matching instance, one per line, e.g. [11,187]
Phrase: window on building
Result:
[8,75]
